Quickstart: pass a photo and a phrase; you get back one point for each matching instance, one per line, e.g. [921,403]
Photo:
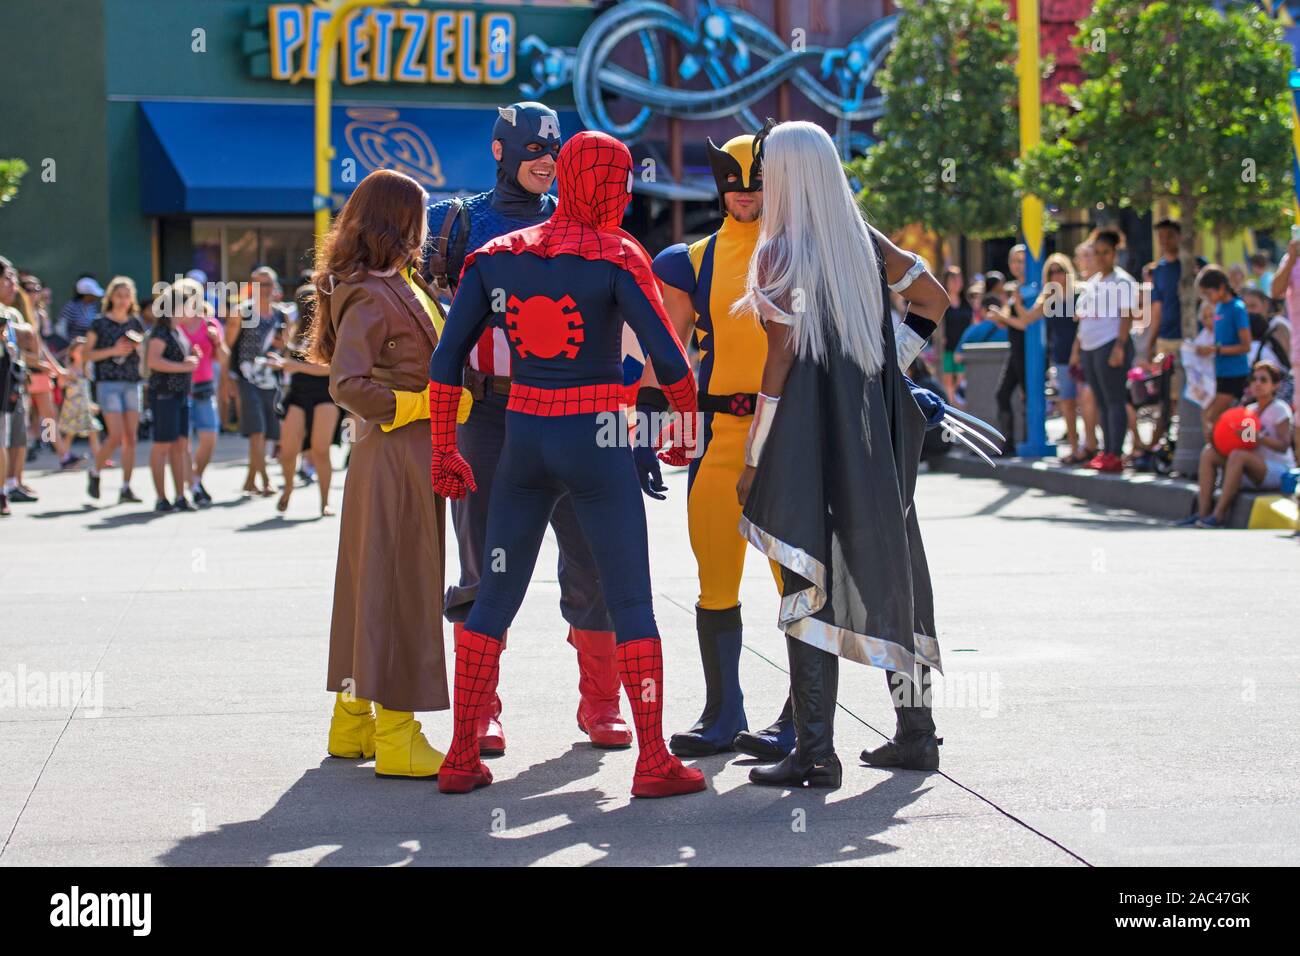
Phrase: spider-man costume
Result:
[562,290]
[525,131]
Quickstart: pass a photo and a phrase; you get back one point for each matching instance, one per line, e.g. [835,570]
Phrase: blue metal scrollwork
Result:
[724,45]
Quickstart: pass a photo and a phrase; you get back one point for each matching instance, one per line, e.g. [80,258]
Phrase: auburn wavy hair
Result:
[382,227]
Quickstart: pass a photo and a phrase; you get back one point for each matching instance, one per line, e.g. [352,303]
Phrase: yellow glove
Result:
[414,407]
[411,407]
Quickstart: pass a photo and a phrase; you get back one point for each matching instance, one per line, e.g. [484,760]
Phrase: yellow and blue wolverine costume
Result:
[733,349]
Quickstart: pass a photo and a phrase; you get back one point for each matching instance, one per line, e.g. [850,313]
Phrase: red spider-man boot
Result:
[477,659]
[658,773]
[598,715]
[491,735]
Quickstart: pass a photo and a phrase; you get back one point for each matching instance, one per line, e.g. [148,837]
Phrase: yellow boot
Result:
[400,749]
[352,729]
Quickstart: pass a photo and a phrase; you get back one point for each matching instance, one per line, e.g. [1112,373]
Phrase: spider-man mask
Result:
[594,172]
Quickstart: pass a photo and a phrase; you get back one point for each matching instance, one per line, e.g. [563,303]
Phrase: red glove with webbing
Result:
[684,434]
[451,474]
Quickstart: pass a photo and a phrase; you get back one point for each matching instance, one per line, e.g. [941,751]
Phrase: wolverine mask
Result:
[735,159]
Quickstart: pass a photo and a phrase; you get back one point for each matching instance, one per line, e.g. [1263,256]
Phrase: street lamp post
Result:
[321,200]
[1031,223]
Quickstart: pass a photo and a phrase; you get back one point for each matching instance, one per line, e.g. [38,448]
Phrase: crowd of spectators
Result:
[1120,356]
[176,367]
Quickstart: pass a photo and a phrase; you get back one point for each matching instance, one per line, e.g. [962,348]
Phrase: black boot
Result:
[720,638]
[814,684]
[712,682]
[1007,425]
[915,746]
[770,743]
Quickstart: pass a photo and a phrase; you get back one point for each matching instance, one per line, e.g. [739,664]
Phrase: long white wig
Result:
[815,258]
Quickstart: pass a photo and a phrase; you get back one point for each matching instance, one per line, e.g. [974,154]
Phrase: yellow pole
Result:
[1031,223]
[339,9]
[1029,67]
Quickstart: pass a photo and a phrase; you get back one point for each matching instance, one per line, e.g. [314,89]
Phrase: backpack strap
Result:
[440,250]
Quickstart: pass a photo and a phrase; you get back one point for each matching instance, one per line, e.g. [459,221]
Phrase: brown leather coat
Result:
[386,633]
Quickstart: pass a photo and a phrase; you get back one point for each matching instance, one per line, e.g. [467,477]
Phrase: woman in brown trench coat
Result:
[377,331]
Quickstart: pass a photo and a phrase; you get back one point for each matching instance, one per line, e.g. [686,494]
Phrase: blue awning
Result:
[257,158]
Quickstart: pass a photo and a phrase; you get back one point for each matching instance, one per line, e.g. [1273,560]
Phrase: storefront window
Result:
[207,249]
[242,250]
[229,250]
[288,252]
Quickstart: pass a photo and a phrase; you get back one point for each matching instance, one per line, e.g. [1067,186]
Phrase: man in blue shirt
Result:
[1167,311]
[77,315]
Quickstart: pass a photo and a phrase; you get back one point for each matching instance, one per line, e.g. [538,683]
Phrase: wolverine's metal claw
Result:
[976,423]
[953,423]
[959,436]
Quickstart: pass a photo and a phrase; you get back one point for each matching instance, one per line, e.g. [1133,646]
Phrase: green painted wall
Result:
[131,249]
[53,117]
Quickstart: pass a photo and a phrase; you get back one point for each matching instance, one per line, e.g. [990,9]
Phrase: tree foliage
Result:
[1180,101]
[949,136]
[11,171]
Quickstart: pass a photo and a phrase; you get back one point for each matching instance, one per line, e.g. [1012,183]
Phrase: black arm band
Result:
[920,325]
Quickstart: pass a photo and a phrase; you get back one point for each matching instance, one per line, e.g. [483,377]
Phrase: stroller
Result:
[1150,395]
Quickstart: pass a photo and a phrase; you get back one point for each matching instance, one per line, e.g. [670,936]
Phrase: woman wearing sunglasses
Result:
[1260,467]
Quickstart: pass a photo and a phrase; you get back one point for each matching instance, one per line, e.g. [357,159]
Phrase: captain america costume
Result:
[563,291]
[526,131]
[487,217]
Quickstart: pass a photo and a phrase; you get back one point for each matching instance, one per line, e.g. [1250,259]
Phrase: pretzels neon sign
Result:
[382,45]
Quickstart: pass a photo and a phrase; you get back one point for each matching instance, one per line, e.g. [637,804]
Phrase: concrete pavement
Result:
[1117,692]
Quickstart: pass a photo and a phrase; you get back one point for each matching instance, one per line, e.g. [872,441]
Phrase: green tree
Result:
[1180,101]
[949,136]
[11,171]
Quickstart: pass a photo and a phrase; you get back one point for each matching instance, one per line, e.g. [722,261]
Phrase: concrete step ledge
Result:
[1169,498]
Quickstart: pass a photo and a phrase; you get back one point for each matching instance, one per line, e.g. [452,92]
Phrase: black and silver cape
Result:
[831,502]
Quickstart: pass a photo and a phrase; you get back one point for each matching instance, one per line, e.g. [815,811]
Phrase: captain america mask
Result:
[528,132]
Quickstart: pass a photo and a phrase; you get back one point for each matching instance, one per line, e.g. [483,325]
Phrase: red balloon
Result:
[1235,429]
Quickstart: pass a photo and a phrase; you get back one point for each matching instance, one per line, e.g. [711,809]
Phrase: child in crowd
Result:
[77,416]
[172,359]
[1261,467]
[984,328]
[1231,343]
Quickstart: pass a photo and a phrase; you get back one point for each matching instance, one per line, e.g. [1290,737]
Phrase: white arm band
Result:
[910,276]
[764,412]
[769,311]
[908,344]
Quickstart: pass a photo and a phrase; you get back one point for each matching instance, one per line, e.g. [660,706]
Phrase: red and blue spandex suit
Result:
[562,291]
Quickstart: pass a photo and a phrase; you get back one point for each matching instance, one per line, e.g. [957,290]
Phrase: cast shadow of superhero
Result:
[746,825]
[339,814]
